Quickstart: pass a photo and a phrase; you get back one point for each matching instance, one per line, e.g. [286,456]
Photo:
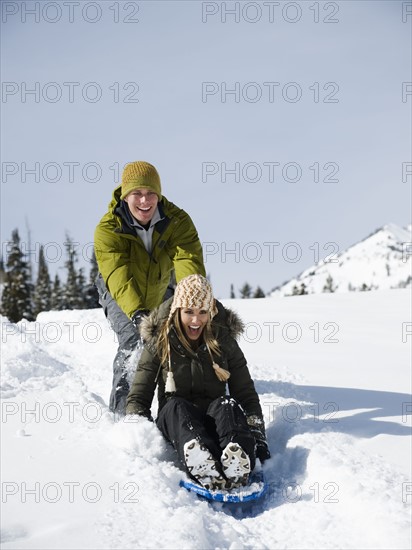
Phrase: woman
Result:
[192,356]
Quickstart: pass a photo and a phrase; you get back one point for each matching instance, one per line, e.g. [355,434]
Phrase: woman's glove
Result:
[257,428]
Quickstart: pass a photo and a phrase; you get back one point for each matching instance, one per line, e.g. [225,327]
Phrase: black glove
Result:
[137,317]
[257,428]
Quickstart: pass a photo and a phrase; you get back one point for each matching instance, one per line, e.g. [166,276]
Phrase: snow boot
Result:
[236,464]
[202,466]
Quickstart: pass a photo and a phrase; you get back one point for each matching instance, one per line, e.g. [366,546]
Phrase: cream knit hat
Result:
[194,291]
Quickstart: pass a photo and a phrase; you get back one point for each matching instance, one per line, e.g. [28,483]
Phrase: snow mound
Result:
[337,412]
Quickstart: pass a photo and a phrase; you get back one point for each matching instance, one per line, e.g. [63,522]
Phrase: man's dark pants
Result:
[129,341]
[129,349]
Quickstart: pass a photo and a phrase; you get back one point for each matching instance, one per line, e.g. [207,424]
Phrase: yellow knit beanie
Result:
[138,175]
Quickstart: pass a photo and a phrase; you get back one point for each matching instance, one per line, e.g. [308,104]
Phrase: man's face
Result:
[142,204]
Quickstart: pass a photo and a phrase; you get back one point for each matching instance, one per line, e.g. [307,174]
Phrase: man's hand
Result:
[137,317]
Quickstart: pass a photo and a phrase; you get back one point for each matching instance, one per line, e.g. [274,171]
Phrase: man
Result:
[138,243]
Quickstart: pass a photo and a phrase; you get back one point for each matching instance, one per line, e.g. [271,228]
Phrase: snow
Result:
[333,374]
[381,261]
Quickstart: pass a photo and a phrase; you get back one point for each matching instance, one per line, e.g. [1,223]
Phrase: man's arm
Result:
[113,259]
[185,250]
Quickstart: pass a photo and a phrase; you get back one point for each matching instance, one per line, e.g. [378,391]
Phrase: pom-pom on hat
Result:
[194,291]
[138,175]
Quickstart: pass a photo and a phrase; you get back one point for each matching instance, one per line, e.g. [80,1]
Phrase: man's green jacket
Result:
[136,279]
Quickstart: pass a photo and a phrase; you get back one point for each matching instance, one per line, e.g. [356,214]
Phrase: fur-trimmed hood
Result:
[226,320]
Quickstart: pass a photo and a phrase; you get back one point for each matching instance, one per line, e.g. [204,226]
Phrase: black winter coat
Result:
[193,373]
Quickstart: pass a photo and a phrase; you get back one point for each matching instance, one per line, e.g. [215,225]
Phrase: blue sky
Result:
[304,157]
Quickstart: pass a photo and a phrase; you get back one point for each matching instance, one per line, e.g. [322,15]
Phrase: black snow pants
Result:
[224,422]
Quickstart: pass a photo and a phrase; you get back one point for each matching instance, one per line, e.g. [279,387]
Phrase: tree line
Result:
[246,291]
[24,297]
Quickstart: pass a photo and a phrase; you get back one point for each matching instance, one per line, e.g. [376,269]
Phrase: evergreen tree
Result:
[232,291]
[406,283]
[295,291]
[299,291]
[94,269]
[29,250]
[91,296]
[72,293]
[42,288]
[329,285]
[259,293]
[16,297]
[56,301]
[2,272]
[245,291]
[81,285]
[365,288]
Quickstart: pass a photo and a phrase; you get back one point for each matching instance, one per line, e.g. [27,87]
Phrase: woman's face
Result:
[194,321]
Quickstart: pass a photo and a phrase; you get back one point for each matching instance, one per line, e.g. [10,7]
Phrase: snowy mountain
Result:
[381,261]
[333,376]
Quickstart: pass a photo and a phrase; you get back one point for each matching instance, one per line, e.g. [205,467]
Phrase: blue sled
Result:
[256,489]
